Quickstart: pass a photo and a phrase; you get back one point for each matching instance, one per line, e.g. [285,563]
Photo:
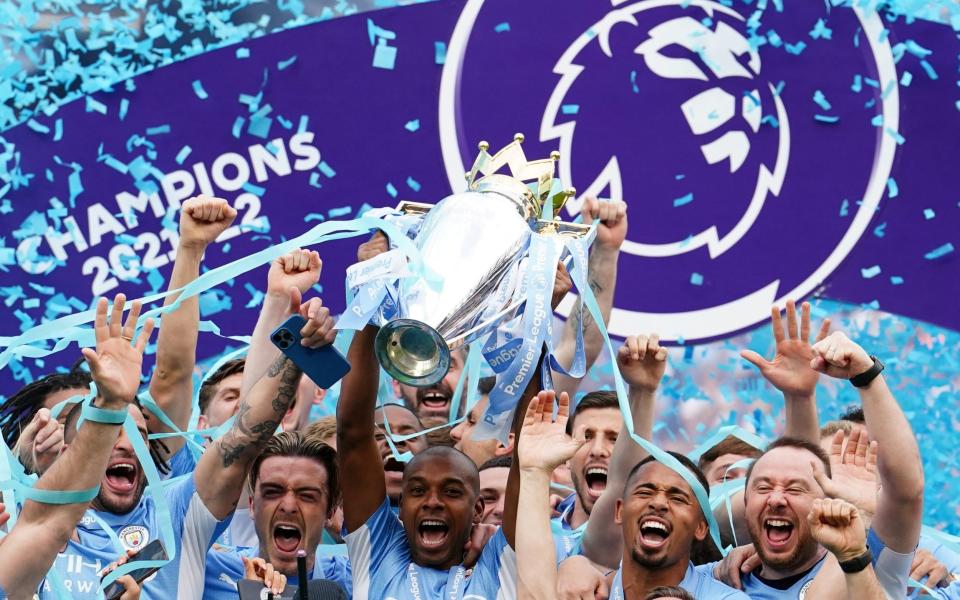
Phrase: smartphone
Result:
[324,365]
[152,551]
[250,589]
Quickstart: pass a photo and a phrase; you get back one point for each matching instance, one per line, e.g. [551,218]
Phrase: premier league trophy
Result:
[475,242]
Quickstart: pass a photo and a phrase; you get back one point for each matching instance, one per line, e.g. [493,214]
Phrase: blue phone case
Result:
[324,365]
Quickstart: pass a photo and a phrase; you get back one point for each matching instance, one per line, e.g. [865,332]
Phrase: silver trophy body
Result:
[474,241]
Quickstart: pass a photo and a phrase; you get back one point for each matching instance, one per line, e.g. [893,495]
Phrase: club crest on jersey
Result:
[134,537]
[700,116]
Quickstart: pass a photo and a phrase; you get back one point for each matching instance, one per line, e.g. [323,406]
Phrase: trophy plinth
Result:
[412,352]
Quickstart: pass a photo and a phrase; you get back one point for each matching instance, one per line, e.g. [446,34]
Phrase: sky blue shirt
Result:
[566,538]
[892,570]
[194,530]
[695,582]
[225,569]
[382,568]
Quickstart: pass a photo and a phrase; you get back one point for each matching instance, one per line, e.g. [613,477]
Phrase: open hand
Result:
[790,370]
[544,444]
[853,468]
[116,363]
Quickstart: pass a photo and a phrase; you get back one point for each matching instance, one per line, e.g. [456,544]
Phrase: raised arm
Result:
[602,279]
[513,479]
[355,431]
[299,269]
[642,363]
[202,219]
[790,370]
[544,446]
[900,500]
[836,524]
[42,529]
[222,469]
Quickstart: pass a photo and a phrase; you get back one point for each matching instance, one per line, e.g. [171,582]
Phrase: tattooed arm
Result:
[602,278]
[222,469]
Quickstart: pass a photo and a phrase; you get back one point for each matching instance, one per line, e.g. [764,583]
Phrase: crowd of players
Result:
[387,505]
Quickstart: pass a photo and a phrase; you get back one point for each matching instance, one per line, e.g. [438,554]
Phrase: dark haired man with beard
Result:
[783,483]
[661,520]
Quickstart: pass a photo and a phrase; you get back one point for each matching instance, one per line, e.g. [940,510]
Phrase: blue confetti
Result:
[96,106]
[384,55]
[696,279]
[929,214]
[158,130]
[771,121]
[286,125]
[844,207]
[198,90]
[679,176]
[570,109]
[183,154]
[821,100]
[877,121]
[315,180]
[256,190]
[939,251]
[243,52]
[502,27]
[820,30]
[391,190]
[826,118]
[238,127]
[256,296]
[795,49]
[682,200]
[893,190]
[870,272]
[333,213]
[439,53]
[124,107]
[633,82]
[412,126]
[38,127]
[906,78]
[857,83]
[896,280]
[31,303]
[58,130]
[929,69]
[413,184]
[283,64]
[895,135]
[326,169]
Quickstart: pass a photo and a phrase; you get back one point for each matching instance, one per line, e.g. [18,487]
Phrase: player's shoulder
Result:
[702,584]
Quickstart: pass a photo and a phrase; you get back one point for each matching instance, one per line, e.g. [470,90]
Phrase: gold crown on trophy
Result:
[531,183]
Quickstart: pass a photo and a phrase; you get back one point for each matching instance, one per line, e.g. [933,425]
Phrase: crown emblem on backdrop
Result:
[532,182]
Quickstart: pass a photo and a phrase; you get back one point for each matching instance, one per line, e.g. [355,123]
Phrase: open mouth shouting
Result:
[596,479]
[287,538]
[433,533]
[122,476]
[654,532]
[434,401]
[778,532]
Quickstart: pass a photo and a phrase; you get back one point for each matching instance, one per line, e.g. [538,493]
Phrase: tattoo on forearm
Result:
[248,433]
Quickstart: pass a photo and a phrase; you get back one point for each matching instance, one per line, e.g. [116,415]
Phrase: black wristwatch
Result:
[857,564]
[863,379]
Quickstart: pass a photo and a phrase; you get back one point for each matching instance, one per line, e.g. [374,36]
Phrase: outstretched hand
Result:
[853,468]
[544,444]
[116,363]
[790,370]
[298,268]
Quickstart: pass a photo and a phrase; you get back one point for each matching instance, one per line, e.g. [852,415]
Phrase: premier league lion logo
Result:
[701,116]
